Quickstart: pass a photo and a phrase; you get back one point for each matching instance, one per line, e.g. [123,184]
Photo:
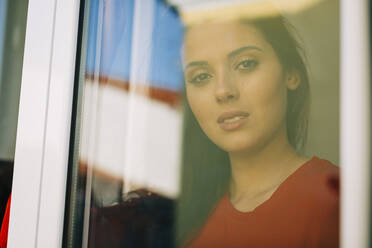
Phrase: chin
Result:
[239,144]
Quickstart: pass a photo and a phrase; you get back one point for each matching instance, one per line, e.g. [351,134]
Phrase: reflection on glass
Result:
[194,126]
[131,125]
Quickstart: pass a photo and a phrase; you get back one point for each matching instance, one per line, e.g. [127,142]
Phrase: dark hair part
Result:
[205,167]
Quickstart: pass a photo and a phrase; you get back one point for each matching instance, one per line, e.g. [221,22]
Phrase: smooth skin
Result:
[231,68]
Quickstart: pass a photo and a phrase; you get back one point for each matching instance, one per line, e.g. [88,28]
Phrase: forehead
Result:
[216,40]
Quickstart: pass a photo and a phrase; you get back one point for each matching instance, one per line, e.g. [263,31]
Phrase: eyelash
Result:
[252,63]
[249,65]
[198,79]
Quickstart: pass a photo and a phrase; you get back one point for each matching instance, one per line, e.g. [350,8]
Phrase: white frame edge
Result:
[355,124]
[42,146]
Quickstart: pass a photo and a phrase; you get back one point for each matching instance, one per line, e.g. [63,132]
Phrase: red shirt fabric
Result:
[302,212]
[5,226]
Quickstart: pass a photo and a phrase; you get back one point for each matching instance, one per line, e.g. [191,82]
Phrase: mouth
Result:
[233,120]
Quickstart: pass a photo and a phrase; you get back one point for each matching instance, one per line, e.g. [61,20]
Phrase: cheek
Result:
[273,104]
[198,103]
[274,96]
[269,97]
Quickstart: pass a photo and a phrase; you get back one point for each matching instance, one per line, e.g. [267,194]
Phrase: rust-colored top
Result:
[302,212]
[5,226]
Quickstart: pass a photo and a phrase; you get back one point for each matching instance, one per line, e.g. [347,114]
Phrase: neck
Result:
[255,173]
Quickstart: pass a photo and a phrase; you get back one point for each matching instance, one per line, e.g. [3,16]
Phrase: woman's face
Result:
[235,85]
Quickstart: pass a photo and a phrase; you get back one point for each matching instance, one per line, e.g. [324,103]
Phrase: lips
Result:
[231,115]
[232,120]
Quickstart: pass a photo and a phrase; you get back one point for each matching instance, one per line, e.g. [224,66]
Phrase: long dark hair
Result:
[206,170]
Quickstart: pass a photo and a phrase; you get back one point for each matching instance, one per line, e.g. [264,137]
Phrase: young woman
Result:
[247,87]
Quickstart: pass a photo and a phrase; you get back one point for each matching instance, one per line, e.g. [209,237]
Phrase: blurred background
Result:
[13,15]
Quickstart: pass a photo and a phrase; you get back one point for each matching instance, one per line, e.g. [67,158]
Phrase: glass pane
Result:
[195,125]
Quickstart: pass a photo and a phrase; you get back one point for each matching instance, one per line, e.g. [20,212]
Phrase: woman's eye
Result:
[247,64]
[200,78]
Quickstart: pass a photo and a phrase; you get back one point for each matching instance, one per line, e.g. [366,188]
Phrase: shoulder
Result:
[319,182]
[313,188]
[318,167]
[316,183]
[319,178]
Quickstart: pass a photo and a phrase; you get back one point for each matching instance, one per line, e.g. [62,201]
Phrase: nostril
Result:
[228,97]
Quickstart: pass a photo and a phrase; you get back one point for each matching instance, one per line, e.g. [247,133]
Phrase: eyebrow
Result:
[196,63]
[243,49]
[231,54]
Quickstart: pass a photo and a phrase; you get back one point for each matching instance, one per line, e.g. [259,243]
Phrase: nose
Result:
[226,90]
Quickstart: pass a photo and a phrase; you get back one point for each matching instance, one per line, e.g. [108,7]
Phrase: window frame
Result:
[44,119]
